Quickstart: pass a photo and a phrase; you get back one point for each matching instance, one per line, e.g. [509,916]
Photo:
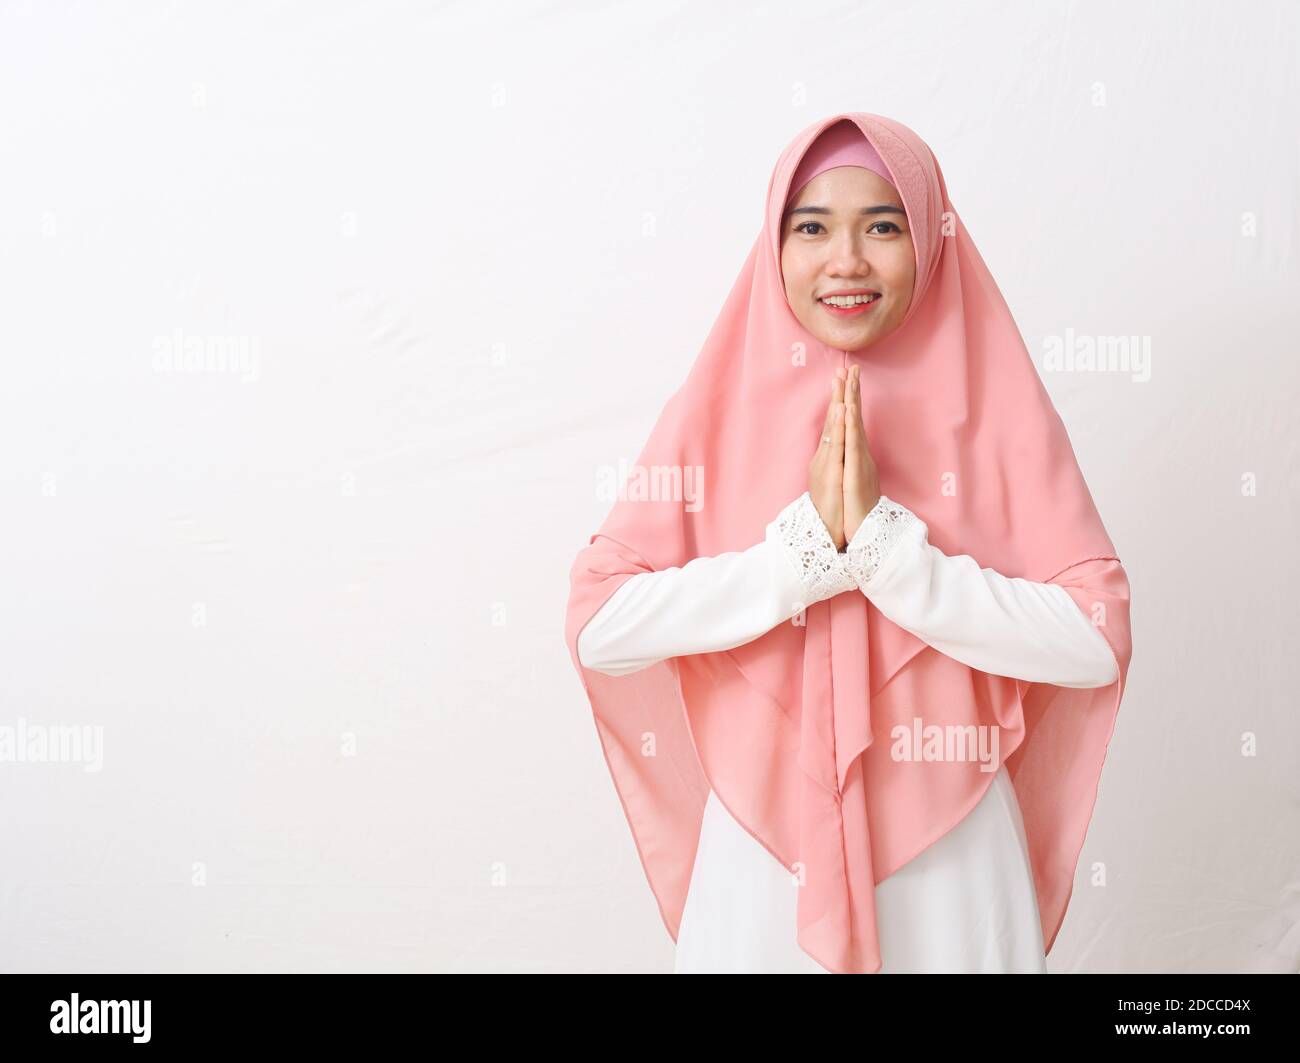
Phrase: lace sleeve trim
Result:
[803,537]
[887,524]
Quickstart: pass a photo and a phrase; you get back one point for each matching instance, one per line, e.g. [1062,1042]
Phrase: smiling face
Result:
[847,231]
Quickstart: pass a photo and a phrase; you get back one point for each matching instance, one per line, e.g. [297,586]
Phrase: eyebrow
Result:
[884,208]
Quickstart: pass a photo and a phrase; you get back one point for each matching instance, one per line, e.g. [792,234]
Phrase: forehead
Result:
[846,188]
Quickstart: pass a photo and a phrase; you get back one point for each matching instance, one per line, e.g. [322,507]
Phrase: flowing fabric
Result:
[801,732]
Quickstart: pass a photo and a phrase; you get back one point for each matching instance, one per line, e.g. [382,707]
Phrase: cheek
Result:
[907,268]
[901,267]
[794,274]
[906,286]
[789,279]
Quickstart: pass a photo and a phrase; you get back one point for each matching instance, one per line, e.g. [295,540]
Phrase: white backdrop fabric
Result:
[324,324]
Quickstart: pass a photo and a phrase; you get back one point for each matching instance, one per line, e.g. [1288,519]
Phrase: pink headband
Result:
[841,145]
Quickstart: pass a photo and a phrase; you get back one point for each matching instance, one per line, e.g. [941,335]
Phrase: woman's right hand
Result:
[826,470]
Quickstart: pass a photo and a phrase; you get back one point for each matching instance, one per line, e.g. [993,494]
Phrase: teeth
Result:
[848,300]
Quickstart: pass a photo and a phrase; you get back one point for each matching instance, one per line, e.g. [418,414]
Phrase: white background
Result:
[317,609]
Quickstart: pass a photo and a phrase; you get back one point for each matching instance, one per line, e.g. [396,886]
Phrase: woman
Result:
[856,731]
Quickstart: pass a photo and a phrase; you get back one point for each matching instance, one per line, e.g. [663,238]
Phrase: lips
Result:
[846,295]
[849,311]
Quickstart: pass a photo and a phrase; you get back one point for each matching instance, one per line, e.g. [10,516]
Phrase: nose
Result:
[846,258]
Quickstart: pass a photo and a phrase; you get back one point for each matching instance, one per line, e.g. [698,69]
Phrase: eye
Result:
[803,226]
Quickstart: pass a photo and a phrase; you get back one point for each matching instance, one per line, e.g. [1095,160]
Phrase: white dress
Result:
[967,903]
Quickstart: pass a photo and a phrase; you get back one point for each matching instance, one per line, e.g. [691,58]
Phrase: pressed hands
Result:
[842,477]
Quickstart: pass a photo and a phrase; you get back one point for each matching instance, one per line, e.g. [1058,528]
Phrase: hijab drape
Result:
[794,730]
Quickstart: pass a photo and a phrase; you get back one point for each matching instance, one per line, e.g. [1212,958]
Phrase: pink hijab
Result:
[794,730]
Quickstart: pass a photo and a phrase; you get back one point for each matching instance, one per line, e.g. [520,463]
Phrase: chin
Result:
[849,340]
[854,342]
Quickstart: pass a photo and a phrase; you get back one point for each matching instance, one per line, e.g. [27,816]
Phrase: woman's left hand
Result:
[861,481]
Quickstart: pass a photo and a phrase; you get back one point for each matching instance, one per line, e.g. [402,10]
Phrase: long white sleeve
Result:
[1002,625]
[716,603]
